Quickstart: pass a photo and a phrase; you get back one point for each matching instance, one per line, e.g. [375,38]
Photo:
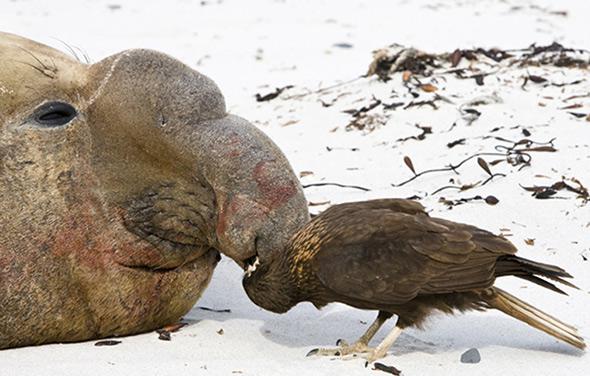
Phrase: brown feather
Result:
[534,317]
[389,255]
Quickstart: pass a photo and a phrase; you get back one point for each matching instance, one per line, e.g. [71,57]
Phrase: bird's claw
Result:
[312,352]
[344,350]
[324,352]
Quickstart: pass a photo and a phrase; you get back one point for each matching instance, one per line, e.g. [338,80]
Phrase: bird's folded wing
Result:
[395,256]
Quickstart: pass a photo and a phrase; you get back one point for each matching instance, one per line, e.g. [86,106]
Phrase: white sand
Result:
[294,44]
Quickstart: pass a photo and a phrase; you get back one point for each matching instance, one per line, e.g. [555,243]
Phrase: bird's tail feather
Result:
[532,270]
[511,305]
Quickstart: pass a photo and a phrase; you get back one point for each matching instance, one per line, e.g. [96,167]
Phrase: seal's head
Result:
[119,183]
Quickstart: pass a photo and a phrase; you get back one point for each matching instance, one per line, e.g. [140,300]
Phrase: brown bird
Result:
[390,255]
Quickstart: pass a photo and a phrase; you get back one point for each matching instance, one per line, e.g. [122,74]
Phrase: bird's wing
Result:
[393,256]
[481,261]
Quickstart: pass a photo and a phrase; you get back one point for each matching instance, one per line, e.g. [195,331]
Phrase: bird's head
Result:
[269,285]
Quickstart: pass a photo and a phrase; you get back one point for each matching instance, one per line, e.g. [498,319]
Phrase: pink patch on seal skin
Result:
[275,192]
[232,146]
[226,212]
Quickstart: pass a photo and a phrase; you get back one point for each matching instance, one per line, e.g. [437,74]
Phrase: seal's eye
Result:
[54,114]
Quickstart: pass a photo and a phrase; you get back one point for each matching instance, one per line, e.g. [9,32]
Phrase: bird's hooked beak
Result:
[250,265]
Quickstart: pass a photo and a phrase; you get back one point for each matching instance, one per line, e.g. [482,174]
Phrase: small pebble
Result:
[470,356]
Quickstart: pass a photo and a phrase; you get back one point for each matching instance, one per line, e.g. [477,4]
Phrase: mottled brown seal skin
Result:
[120,182]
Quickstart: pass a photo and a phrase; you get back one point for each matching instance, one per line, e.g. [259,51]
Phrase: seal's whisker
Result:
[84,55]
[54,65]
[42,71]
[32,88]
[45,67]
[70,49]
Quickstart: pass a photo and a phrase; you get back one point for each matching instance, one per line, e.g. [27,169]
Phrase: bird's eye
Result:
[54,114]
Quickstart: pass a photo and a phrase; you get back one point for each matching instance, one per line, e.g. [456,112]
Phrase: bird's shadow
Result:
[303,328]
[442,335]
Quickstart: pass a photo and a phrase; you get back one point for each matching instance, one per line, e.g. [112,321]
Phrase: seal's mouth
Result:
[251,264]
[251,259]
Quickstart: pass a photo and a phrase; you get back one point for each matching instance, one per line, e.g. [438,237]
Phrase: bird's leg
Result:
[361,345]
[363,341]
[381,350]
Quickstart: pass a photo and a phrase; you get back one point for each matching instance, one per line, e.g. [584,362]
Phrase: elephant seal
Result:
[120,182]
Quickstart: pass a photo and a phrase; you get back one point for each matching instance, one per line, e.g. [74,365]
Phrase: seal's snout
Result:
[177,132]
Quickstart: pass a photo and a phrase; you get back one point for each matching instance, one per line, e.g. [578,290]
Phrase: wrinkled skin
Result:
[112,222]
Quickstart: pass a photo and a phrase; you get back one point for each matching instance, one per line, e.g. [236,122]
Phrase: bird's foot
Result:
[344,350]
